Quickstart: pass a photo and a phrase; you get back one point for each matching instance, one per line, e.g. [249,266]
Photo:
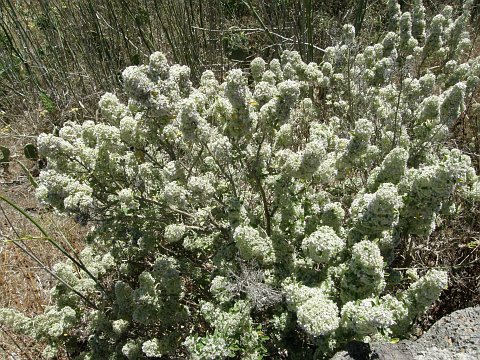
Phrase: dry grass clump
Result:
[24,283]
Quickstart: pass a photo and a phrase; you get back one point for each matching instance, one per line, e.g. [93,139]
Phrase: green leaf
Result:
[473,244]
[31,179]
[5,154]
[5,159]
[31,152]
[47,102]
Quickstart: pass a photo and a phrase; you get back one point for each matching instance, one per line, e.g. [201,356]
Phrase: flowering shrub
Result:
[260,215]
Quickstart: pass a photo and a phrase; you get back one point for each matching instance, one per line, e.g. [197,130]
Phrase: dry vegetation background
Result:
[58,57]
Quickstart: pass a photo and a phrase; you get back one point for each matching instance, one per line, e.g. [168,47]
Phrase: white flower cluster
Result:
[310,173]
[234,327]
[127,200]
[67,193]
[316,313]
[358,148]
[392,169]
[373,213]
[253,246]
[364,276]
[366,317]
[112,109]
[323,245]
[153,348]
[429,189]
[208,347]
[220,288]
[174,232]
[424,291]
[318,316]
[16,321]
[332,215]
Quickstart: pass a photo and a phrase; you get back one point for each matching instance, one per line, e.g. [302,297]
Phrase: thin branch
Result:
[44,267]
[59,247]
[255,30]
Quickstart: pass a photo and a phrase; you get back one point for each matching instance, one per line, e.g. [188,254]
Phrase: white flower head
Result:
[158,65]
[127,200]
[174,232]
[136,82]
[257,68]
[112,109]
[323,245]
[318,316]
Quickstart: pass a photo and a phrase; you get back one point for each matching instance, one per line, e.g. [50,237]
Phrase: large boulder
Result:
[454,337]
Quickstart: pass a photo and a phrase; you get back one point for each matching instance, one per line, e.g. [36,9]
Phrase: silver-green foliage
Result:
[227,213]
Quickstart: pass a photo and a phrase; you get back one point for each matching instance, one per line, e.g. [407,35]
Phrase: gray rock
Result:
[459,331]
[454,337]
[380,351]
